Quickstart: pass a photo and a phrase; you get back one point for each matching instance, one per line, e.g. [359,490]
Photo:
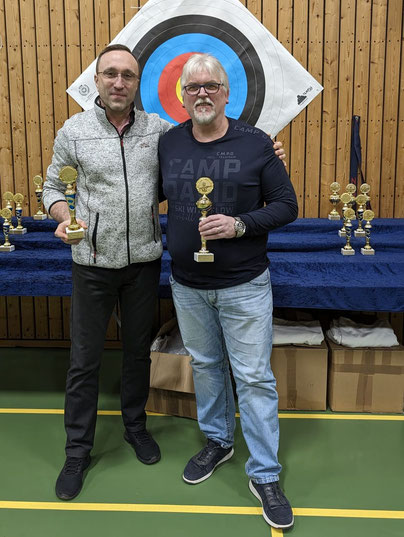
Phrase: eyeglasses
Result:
[209,87]
[127,76]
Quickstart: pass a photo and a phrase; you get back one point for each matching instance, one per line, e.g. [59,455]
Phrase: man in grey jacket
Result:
[113,147]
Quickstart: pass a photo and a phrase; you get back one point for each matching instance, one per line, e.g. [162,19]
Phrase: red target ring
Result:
[167,88]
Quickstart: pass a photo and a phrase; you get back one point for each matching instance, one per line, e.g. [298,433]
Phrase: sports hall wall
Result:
[354,48]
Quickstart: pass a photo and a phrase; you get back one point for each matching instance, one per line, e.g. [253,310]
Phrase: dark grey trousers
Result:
[95,294]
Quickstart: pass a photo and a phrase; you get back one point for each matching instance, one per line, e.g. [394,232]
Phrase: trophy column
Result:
[68,176]
[347,249]
[7,246]
[334,199]
[8,197]
[19,229]
[368,216]
[39,215]
[204,185]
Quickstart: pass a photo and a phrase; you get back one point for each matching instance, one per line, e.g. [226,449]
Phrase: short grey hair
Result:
[203,62]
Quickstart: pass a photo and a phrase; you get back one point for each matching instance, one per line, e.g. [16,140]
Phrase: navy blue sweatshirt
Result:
[249,181]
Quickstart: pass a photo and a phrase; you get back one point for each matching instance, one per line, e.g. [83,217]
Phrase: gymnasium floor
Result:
[343,473]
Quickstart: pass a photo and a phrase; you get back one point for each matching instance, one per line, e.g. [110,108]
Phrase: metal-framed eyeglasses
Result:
[209,87]
[126,76]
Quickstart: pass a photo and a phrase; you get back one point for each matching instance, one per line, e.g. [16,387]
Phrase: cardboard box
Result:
[366,379]
[171,382]
[301,376]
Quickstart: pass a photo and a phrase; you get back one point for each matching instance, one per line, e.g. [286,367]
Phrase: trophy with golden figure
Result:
[334,199]
[204,186]
[68,176]
[361,204]
[348,216]
[19,229]
[8,197]
[368,216]
[346,198]
[7,246]
[38,181]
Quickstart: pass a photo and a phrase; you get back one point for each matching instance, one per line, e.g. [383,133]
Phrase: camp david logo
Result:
[84,89]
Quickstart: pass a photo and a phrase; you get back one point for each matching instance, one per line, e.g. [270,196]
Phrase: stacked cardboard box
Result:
[366,379]
[301,376]
[171,383]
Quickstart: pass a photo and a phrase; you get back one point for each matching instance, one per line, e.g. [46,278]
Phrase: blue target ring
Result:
[175,46]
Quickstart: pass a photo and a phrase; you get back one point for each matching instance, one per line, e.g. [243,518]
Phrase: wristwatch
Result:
[239,227]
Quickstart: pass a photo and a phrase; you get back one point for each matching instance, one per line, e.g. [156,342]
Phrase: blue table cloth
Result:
[307,268]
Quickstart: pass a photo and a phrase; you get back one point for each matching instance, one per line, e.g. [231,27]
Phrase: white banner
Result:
[268,87]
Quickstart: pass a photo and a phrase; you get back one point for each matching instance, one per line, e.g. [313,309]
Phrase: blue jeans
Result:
[234,324]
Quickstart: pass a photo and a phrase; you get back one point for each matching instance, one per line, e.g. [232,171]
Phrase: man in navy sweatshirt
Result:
[224,306]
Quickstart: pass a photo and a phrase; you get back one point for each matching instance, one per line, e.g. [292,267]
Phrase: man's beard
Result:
[204,118]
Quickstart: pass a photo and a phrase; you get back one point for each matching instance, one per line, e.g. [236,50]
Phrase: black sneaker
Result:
[276,509]
[146,448]
[202,465]
[70,479]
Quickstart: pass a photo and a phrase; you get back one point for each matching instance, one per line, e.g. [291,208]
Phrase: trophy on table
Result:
[39,215]
[368,216]
[348,216]
[364,189]
[334,199]
[68,176]
[7,246]
[346,198]
[361,205]
[204,186]
[8,197]
[19,229]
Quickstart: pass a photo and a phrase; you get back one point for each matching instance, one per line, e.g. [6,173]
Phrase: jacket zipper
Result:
[94,238]
[127,197]
[154,224]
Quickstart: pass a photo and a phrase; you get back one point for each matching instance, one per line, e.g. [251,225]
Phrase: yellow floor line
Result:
[291,415]
[198,509]
[276,533]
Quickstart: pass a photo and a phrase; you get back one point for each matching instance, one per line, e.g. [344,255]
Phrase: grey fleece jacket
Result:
[117,186]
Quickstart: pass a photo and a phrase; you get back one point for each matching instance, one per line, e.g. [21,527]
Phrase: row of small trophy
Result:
[348,214]
[6,214]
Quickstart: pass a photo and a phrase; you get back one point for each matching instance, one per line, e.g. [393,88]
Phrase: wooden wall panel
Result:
[354,48]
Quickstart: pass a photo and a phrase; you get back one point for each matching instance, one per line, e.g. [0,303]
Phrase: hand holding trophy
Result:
[204,185]
[68,176]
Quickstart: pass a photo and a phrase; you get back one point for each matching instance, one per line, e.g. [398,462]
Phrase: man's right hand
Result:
[60,231]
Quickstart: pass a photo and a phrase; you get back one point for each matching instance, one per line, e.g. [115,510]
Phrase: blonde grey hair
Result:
[204,62]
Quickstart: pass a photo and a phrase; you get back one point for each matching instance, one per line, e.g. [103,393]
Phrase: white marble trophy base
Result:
[74,234]
[204,257]
[367,251]
[10,248]
[345,251]
[18,231]
[334,217]
[39,217]
[341,233]
[359,233]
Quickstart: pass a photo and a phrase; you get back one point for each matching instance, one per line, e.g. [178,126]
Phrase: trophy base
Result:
[334,217]
[39,217]
[17,231]
[346,251]
[204,257]
[359,233]
[10,248]
[74,234]
[367,251]
[341,233]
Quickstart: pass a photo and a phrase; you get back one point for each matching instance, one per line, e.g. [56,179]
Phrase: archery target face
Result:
[163,52]
[268,87]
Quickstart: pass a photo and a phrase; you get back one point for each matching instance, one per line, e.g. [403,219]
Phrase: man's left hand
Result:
[280,152]
[217,226]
